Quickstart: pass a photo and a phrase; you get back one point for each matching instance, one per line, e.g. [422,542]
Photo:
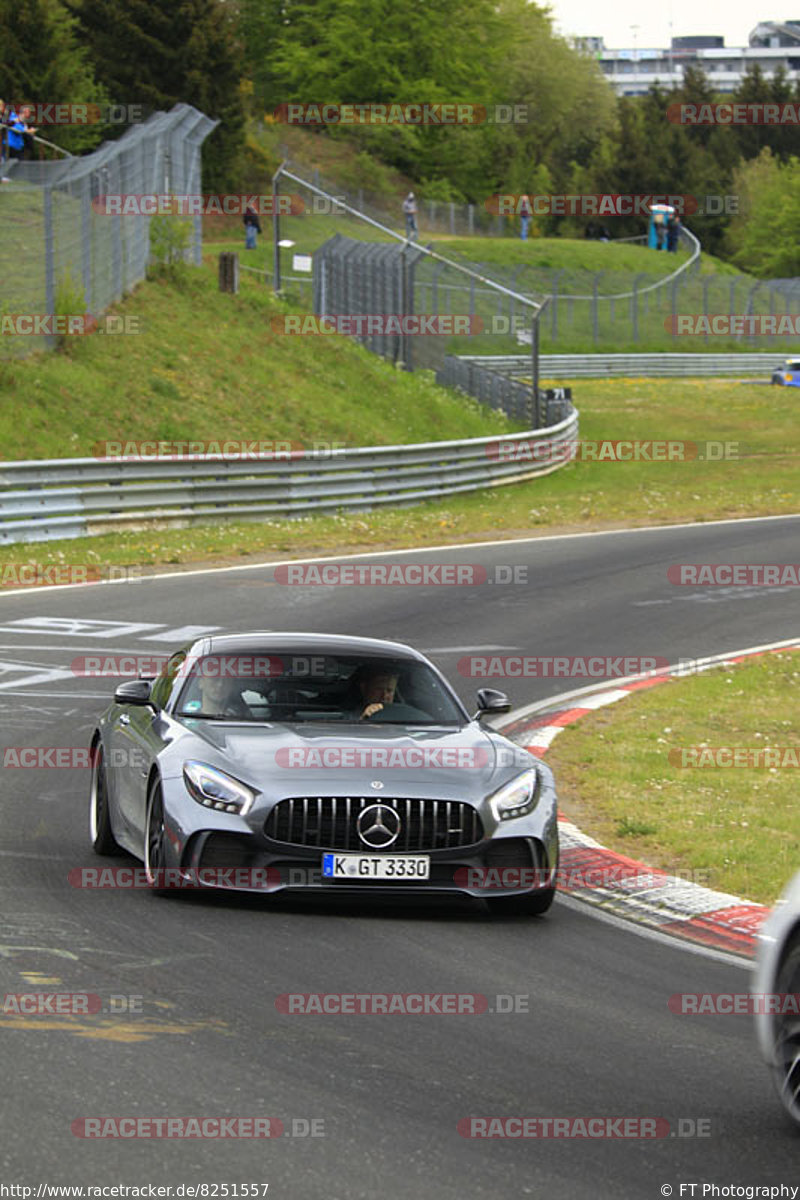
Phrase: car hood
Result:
[333,759]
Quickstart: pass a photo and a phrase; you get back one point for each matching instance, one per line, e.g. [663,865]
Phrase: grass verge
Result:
[584,495]
[208,365]
[621,781]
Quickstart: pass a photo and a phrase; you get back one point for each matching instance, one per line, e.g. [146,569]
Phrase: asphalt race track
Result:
[201,974]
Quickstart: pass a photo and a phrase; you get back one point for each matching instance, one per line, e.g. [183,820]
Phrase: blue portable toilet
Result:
[659,214]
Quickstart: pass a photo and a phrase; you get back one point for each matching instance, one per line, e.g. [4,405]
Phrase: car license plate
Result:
[397,868]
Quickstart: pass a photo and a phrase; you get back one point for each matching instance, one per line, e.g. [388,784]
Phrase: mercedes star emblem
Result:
[378,826]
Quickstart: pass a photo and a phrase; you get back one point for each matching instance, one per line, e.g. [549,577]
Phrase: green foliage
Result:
[368,172]
[170,240]
[157,55]
[441,190]
[570,132]
[42,60]
[69,302]
[258,165]
[763,237]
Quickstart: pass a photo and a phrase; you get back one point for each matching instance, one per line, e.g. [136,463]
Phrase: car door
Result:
[139,737]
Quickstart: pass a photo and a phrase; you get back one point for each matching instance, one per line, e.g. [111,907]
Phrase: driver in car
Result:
[376,688]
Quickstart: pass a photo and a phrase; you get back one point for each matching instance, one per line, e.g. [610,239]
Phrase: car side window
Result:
[163,685]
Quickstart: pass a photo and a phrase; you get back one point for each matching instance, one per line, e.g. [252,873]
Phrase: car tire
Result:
[100,832]
[534,904]
[786,1072]
[155,841]
[777,379]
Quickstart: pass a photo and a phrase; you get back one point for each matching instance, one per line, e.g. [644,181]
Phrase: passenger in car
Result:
[218,696]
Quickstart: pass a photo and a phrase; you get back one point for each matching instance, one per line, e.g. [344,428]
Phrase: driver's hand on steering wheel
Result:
[370,711]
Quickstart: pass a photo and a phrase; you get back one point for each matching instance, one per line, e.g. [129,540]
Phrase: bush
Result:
[170,240]
[69,302]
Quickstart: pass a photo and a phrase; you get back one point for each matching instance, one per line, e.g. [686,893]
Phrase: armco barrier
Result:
[589,366]
[81,497]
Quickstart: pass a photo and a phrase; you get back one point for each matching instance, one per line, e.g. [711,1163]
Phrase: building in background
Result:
[632,72]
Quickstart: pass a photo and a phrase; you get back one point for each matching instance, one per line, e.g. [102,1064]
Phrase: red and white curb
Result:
[622,885]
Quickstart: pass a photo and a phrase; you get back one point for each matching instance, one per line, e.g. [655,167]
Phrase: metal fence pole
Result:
[49,252]
[86,246]
[537,415]
[276,233]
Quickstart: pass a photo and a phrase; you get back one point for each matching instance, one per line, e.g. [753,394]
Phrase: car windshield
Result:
[296,687]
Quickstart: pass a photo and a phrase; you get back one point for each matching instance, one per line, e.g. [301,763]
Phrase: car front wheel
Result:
[100,832]
[786,1070]
[155,839]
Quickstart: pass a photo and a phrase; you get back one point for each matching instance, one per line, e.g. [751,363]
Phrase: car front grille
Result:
[330,822]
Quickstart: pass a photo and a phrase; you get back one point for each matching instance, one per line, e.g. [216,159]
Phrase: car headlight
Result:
[516,798]
[214,789]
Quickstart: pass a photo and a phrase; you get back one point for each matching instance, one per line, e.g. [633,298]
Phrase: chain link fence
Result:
[444,218]
[386,294]
[60,242]
[411,307]
[588,311]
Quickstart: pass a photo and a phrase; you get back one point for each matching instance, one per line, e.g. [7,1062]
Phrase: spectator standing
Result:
[252,227]
[524,217]
[16,128]
[410,210]
[4,113]
[673,226]
[660,232]
[28,131]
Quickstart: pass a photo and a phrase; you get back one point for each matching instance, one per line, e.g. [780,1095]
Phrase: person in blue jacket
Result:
[16,129]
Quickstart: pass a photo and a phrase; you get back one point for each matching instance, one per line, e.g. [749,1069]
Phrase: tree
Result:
[763,237]
[43,62]
[155,54]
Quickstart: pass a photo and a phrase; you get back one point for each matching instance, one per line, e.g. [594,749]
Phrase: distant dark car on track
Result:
[788,374]
[326,764]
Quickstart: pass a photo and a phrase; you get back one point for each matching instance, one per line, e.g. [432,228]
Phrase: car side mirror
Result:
[491,701]
[135,691]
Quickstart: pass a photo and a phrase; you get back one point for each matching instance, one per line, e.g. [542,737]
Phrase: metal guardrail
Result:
[588,366]
[501,390]
[83,497]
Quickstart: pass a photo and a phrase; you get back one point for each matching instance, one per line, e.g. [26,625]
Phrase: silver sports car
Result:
[270,762]
[776,996]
